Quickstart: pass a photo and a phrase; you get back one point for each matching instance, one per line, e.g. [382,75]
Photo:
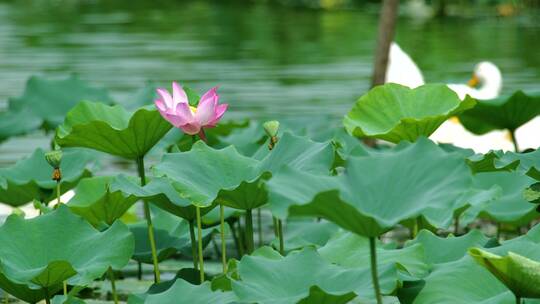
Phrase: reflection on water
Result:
[269,61]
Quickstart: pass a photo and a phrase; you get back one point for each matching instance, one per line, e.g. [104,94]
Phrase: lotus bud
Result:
[271,128]
[54,158]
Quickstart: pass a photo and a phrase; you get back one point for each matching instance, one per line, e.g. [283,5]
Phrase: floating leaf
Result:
[15,123]
[302,277]
[47,250]
[30,178]
[419,180]
[50,100]
[394,112]
[112,129]
[520,274]
[501,113]
[95,201]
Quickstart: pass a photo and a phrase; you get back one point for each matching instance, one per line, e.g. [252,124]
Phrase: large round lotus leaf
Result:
[452,248]
[58,246]
[50,100]
[303,277]
[352,251]
[31,178]
[464,281]
[112,129]
[508,112]
[394,112]
[225,176]
[509,206]
[376,192]
[187,293]
[520,274]
[95,201]
[161,193]
[14,123]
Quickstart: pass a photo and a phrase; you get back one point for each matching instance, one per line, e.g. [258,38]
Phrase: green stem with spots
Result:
[374,274]
[199,241]
[249,231]
[280,236]
[193,244]
[148,216]
[223,243]
[113,286]
[514,140]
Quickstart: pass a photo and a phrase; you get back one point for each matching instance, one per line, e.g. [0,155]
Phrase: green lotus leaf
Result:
[14,123]
[532,193]
[61,299]
[394,112]
[508,112]
[520,274]
[352,251]
[420,179]
[302,277]
[190,294]
[508,206]
[58,246]
[24,292]
[161,193]
[30,178]
[464,281]
[225,176]
[112,129]
[525,163]
[443,250]
[95,201]
[50,100]
[301,233]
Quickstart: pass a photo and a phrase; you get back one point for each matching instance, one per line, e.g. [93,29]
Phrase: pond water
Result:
[269,61]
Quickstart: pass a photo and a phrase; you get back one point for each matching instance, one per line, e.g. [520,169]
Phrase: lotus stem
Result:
[139,270]
[193,244]
[6,297]
[47,296]
[518,300]
[280,236]
[276,230]
[237,243]
[222,232]
[415,228]
[58,192]
[241,236]
[514,140]
[374,274]
[65,288]
[148,216]
[199,241]
[250,243]
[259,227]
[113,285]
[456,225]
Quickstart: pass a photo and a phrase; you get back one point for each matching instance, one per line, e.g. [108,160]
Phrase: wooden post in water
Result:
[387,26]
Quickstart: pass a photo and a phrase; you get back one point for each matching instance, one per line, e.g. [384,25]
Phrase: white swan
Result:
[486,83]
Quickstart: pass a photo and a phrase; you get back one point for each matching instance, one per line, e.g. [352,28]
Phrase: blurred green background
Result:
[271,58]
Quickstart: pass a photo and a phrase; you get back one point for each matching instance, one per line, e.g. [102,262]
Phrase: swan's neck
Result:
[491,87]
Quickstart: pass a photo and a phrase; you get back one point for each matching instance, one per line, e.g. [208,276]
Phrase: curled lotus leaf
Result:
[60,246]
[419,179]
[394,112]
[112,129]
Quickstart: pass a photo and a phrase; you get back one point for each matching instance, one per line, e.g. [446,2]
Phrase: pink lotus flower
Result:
[191,120]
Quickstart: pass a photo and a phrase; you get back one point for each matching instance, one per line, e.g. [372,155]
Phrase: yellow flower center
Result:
[193,109]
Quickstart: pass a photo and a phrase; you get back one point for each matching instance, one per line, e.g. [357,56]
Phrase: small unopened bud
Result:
[54,158]
[271,128]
